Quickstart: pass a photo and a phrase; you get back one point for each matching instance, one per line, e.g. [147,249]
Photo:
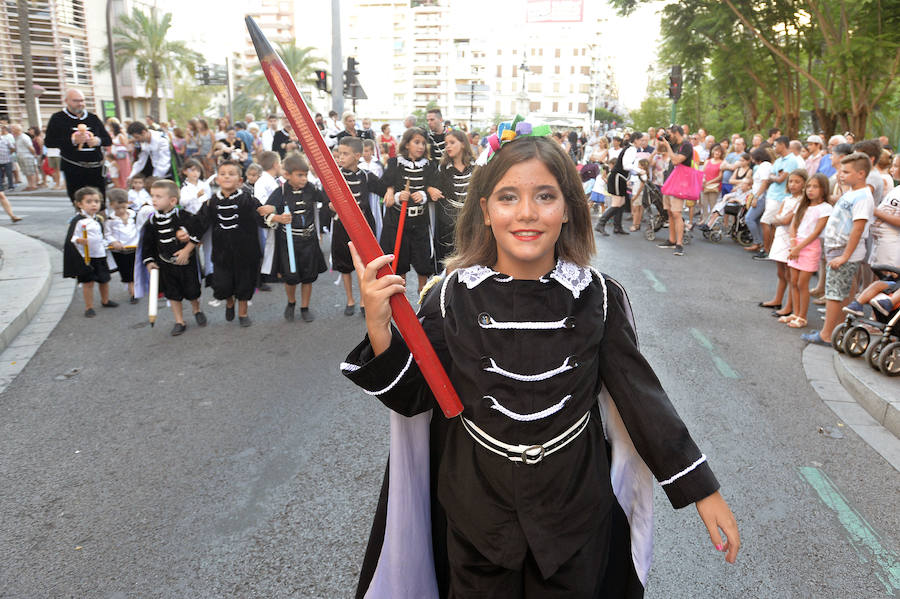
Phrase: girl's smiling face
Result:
[526,211]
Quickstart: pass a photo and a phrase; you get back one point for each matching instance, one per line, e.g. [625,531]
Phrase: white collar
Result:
[222,197]
[571,276]
[80,118]
[410,164]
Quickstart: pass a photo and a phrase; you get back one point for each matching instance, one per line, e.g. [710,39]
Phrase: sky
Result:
[631,41]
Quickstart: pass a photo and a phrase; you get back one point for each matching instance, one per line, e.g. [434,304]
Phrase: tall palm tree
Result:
[142,38]
[301,62]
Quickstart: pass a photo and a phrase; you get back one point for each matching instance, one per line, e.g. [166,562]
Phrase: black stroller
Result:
[854,336]
[655,215]
[738,231]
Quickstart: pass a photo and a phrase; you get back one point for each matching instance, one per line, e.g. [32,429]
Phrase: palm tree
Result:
[301,62]
[142,39]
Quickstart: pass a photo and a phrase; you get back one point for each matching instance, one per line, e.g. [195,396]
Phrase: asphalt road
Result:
[239,463]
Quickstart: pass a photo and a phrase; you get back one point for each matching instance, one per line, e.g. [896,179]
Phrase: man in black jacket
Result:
[80,137]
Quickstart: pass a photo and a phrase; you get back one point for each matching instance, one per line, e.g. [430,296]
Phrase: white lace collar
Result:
[571,276]
[410,164]
[222,196]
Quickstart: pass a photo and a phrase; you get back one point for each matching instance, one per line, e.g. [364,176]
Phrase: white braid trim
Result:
[669,481]
[528,417]
[603,286]
[395,381]
[444,295]
[530,378]
[541,326]
[347,367]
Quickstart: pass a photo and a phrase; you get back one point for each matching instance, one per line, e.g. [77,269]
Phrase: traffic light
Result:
[675,83]
[322,81]
[350,76]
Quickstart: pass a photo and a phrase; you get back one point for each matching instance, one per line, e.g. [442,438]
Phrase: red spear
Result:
[399,241]
[354,222]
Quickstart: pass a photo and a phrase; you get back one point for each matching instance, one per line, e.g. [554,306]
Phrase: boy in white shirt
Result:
[138,195]
[122,236]
[84,254]
[369,162]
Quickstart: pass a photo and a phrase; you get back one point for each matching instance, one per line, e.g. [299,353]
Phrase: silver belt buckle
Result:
[530,459]
[414,210]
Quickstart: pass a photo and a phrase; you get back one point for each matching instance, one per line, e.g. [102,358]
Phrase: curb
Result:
[819,366]
[871,390]
[24,282]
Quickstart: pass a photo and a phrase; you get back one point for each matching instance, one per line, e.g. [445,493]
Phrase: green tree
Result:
[253,94]
[141,38]
[190,100]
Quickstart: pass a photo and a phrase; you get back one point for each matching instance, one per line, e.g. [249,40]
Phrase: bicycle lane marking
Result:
[865,541]
[721,365]
[658,285]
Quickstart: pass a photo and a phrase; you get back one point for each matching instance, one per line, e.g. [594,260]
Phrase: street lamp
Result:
[475,70]
[523,97]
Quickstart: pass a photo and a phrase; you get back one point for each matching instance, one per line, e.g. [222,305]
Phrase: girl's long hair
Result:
[468,157]
[475,243]
[823,183]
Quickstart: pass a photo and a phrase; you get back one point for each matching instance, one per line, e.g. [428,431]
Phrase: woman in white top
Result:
[761,172]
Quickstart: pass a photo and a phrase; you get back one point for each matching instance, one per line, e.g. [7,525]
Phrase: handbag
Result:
[684,183]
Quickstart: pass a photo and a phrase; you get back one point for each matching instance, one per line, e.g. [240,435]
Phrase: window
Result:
[540,51]
[582,107]
[572,71]
[537,69]
[534,106]
[556,107]
[557,56]
[534,87]
[556,87]
[515,71]
[586,71]
[499,71]
[575,52]
[570,107]
[556,70]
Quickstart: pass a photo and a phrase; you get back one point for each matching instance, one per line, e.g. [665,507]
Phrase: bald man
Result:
[80,148]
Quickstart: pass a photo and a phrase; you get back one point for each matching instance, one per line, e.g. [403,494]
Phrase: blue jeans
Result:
[752,218]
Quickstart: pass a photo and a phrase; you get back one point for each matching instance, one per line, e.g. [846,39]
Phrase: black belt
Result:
[83,164]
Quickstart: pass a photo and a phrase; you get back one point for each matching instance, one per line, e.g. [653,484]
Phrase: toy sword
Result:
[399,241]
[87,249]
[289,235]
[351,216]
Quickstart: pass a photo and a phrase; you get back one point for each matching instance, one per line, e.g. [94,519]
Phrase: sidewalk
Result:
[33,298]
[863,399]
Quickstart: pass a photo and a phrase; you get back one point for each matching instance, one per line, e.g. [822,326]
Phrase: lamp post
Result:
[475,70]
[523,97]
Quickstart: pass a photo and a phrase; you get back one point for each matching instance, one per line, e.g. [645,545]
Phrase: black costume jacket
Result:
[361,183]
[63,125]
[454,185]
[235,228]
[308,258]
[416,248]
[158,241]
[485,327]
[436,143]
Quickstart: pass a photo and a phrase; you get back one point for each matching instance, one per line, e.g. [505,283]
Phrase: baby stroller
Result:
[854,336]
[738,231]
[654,213]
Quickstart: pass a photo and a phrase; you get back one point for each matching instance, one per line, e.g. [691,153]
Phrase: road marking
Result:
[862,536]
[721,365]
[657,284]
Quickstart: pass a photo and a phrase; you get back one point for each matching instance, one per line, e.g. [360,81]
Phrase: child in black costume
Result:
[531,501]
[301,198]
[410,169]
[88,201]
[361,184]
[232,215]
[166,245]
[454,174]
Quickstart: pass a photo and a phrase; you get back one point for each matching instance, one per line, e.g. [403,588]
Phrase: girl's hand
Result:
[419,197]
[716,515]
[375,294]
[389,199]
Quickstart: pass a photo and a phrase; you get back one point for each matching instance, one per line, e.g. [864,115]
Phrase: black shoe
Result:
[133,300]
[178,329]
[349,310]
[265,287]
[245,321]
[704,227]
[200,317]
[110,304]
[601,228]
[620,232]
[666,245]
[89,313]
[229,313]
[761,255]
[679,251]
[306,315]
[289,311]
